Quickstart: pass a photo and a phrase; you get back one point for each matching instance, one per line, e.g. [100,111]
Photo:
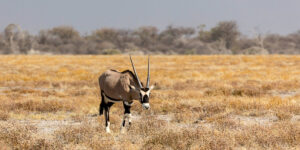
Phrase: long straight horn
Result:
[137,77]
[148,76]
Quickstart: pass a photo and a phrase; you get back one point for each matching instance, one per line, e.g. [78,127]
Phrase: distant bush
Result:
[224,38]
[255,50]
[111,52]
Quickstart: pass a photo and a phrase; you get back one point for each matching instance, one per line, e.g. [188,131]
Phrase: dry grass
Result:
[200,102]
[4,115]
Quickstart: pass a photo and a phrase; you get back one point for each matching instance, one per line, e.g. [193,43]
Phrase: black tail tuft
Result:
[101,104]
[101,109]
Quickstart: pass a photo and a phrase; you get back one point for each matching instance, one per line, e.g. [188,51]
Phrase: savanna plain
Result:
[199,102]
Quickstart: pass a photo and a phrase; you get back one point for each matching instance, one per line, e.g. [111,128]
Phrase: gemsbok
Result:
[123,87]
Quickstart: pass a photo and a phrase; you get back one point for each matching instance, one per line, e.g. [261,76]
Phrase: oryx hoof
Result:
[107,130]
[122,130]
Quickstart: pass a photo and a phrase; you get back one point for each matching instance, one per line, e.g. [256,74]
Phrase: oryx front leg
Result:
[127,115]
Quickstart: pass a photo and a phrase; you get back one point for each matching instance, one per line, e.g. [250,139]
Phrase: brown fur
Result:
[116,84]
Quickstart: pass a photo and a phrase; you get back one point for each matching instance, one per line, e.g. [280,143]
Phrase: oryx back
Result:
[116,84]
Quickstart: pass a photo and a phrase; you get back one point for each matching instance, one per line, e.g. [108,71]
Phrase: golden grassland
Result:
[200,102]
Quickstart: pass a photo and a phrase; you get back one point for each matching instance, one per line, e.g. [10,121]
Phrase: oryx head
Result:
[144,92]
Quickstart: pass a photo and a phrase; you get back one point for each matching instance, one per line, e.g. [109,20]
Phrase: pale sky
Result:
[274,16]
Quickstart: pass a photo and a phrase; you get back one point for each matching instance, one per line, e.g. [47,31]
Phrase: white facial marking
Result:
[146,105]
[148,93]
[143,93]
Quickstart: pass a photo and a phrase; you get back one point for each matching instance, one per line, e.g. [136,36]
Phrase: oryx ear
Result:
[131,87]
[152,87]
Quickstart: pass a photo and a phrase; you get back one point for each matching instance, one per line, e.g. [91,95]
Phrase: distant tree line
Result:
[224,38]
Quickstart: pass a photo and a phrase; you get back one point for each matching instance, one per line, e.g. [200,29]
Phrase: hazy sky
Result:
[275,16]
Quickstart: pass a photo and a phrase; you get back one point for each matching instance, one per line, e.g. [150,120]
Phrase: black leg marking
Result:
[107,123]
[107,107]
[127,107]
[106,116]
[127,115]
[102,104]
[123,123]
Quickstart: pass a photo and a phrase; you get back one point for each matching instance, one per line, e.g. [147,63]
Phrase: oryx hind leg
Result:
[107,123]
[127,115]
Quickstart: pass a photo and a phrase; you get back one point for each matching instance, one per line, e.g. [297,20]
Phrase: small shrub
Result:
[43,106]
[283,115]
[4,115]
[111,52]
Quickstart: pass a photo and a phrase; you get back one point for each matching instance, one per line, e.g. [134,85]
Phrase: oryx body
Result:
[122,87]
